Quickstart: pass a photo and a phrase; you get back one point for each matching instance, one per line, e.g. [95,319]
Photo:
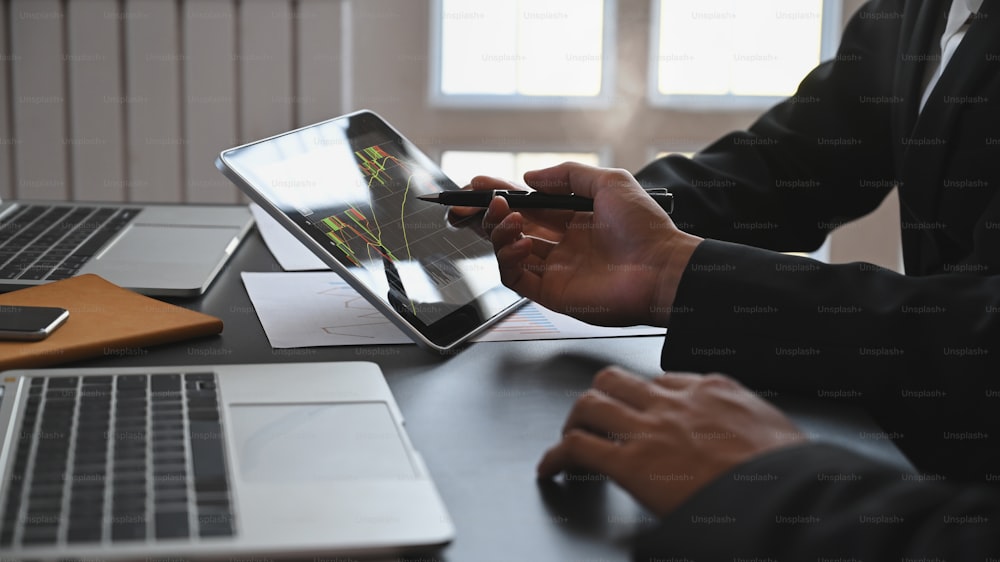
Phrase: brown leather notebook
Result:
[104,319]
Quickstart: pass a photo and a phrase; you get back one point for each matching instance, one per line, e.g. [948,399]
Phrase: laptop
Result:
[223,461]
[160,250]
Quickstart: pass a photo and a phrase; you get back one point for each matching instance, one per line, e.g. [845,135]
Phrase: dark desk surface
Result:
[482,418]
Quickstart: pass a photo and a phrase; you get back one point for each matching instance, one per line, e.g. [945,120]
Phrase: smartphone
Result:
[30,323]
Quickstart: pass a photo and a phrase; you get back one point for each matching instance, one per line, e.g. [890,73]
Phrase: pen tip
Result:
[427,197]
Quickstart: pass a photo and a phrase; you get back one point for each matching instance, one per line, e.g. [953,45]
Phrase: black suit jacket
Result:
[920,351]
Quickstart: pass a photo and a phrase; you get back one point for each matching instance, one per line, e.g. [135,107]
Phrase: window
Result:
[463,165]
[522,52]
[737,53]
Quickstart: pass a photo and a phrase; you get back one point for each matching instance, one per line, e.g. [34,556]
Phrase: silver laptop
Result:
[163,250]
[223,461]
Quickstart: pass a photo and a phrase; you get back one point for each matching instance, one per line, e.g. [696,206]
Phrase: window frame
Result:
[609,59]
[602,150]
[830,32]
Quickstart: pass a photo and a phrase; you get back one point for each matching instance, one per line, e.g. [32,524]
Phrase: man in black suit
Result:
[912,100]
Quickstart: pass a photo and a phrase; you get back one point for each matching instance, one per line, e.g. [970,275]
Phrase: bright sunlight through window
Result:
[736,47]
[522,47]
[463,165]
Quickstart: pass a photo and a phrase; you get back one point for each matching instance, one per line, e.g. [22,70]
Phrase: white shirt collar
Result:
[973,5]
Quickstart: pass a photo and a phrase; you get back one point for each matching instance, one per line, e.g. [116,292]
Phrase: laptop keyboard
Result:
[41,242]
[118,458]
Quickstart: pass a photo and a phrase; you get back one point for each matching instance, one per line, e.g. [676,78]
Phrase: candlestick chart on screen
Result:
[384,227]
[377,227]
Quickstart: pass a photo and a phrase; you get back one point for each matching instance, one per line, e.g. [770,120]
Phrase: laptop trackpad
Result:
[282,443]
[170,244]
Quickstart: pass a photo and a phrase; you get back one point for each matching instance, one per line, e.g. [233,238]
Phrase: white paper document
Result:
[290,254]
[308,309]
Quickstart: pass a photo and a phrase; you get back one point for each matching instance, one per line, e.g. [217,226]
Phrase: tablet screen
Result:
[351,184]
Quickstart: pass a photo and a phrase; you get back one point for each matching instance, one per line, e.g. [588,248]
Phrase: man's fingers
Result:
[579,449]
[507,231]
[478,183]
[540,248]
[555,179]
[547,224]
[482,183]
[549,221]
[511,260]
[604,415]
[459,212]
[624,386]
[581,179]
[489,183]
[677,381]
[495,214]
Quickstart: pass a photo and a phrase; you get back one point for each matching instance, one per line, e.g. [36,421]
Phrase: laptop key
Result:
[128,528]
[12,270]
[213,501]
[98,239]
[35,273]
[172,525]
[40,534]
[215,523]
[126,214]
[61,273]
[206,452]
[83,531]
[165,383]
[63,382]
[132,381]
[206,415]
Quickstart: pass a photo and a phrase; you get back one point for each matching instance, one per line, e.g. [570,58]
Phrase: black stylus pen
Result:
[534,199]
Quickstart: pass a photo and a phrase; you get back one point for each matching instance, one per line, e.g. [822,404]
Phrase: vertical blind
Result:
[131,100]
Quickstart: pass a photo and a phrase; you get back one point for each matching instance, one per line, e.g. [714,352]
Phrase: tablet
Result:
[347,188]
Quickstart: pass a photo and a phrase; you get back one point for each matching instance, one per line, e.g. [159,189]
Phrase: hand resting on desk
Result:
[664,439]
